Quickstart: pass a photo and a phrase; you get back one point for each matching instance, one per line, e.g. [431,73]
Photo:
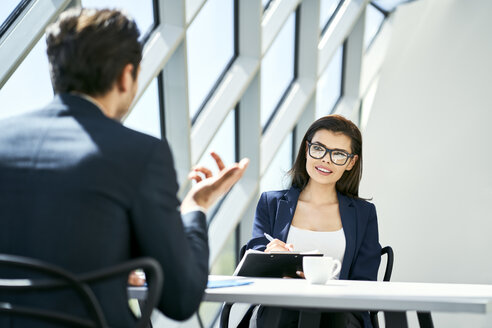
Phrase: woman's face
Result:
[322,170]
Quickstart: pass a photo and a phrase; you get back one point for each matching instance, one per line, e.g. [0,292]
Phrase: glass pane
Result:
[210,47]
[141,11]
[277,69]
[225,265]
[276,177]
[32,77]
[327,9]
[7,8]
[374,20]
[329,88]
[389,5]
[223,144]
[145,115]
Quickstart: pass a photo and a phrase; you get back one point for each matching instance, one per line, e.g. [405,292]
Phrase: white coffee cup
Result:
[320,269]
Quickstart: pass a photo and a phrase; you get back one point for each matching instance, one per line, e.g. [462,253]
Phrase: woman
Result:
[322,210]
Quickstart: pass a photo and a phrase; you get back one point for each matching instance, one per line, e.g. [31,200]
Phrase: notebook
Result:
[272,265]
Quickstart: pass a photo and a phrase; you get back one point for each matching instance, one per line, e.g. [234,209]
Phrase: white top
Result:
[329,243]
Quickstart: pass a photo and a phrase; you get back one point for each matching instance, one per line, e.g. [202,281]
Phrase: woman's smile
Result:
[323,170]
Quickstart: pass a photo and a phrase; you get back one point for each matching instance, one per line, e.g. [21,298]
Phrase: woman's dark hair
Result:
[88,49]
[349,182]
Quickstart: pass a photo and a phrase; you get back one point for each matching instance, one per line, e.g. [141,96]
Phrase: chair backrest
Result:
[56,278]
[387,276]
[389,263]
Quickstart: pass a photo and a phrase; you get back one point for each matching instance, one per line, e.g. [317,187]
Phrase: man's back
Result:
[77,189]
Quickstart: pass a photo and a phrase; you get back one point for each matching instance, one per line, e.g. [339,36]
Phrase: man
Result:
[80,190]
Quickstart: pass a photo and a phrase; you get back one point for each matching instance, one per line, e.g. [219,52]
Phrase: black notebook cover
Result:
[271,265]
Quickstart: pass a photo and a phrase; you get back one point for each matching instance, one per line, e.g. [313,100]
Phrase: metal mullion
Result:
[298,95]
[224,98]
[247,121]
[337,32]
[274,21]
[323,30]
[374,56]
[165,57]
[226,68]
[237,158]
[162,114]
[295,70]
[305,120]
[12,17]
[25,32]
[213,90]
[353,50]
[285,120]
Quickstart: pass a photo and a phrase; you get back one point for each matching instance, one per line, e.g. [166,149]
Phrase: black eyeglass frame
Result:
[330,151]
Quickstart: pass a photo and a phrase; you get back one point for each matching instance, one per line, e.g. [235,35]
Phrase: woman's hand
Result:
[279,246]
[301,274]
[136,278]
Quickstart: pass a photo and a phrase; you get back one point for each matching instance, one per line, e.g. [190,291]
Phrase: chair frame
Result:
[57,278]
[387,276]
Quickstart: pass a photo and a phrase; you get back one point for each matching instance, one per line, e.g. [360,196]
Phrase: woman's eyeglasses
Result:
[337,157]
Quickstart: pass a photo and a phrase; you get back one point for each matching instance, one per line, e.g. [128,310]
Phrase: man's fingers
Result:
[194,176]
[203,170]
[228,177]
[243,164]
[218,160]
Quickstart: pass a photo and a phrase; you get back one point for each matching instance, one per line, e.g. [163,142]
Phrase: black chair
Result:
[56,278]
[387,276]
[226,308]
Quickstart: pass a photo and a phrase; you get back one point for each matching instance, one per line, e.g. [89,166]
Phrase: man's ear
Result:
[125,81]
[352,162]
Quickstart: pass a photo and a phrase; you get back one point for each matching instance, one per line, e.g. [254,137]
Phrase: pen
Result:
[267,236]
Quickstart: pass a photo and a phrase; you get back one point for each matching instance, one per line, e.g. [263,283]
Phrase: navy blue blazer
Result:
[82,191]
[274,214]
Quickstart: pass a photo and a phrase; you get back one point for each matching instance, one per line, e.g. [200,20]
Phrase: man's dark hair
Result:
[88,49]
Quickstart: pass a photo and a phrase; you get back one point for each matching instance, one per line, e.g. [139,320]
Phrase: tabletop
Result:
[362,295]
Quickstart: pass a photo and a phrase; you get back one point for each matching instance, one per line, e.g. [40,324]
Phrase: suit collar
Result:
[285,212]
[77,104]
[348,213]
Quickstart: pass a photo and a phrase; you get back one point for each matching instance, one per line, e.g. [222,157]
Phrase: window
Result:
[210,50]
[224,144]
[388,5]
[327,11]
[225,265]
[32,76]
[374,20]
[275,177]
[277,70]
[329,89]
[8,6]
[145,116]
[266,4]
[141,11]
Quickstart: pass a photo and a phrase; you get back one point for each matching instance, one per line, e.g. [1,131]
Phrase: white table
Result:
[357,295]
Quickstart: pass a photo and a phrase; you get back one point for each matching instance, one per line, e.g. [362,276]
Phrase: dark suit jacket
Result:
[82,191]
[274,214]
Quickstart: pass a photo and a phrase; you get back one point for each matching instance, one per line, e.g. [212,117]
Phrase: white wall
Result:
[428,146]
